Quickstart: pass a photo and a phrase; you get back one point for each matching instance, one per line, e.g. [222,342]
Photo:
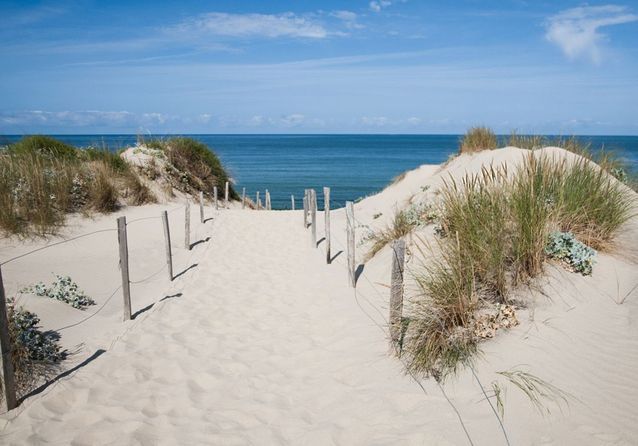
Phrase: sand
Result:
[259,341]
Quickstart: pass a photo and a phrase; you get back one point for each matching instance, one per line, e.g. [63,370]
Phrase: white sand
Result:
[264,343]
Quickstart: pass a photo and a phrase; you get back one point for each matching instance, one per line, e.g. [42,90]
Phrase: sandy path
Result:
[265,345]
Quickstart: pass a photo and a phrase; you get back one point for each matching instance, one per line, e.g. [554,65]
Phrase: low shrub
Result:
[477,139]
[564,246]
[35,354]
[63,289]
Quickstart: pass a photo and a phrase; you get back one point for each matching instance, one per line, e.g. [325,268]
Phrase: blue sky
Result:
[384,66]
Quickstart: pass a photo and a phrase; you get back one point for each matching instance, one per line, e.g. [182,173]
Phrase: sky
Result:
[381,66]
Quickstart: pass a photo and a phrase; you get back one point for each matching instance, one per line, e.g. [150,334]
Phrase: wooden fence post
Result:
[215,197]
[167,243]
[257,201]
[313,216]
[396,290]
[267,200]
[292,201]
[187,226]
[201,206]
[226,194]
[243,198]
[352,278]
[326,213]
[305,209]
[126,284]
[7,380]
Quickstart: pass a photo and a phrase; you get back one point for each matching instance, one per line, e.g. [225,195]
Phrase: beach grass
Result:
[477,139]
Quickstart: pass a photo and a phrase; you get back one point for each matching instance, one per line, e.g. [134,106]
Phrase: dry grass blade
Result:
[477,139]
[538,391]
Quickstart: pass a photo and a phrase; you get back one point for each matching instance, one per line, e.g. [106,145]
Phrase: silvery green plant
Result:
[41,346]
[420,214]
[63,289]
[564,246]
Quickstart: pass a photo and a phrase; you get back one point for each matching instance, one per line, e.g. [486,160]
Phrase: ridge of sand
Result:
[263,343]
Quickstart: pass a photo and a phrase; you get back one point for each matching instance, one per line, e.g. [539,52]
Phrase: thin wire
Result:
[92,314]
[135,282]
[55,244]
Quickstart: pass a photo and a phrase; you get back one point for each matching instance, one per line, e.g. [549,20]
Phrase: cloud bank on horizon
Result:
[364,66]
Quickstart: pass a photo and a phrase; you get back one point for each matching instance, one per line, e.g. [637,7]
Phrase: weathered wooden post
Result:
[313,216]
[187,226]
[292,201]
[352,278]
[257,201]
[267,200]
[201,206]
[396,290]
[243,198]
[126,285]
[305,209]
[167,243]
[215,197]
[7,380]
[326,213]
[226,194]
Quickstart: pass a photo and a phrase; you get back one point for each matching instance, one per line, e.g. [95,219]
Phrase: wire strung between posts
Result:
[92,314]
[135,282]
[55,244]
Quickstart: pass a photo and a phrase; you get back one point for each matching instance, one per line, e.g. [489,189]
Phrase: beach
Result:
[257,340]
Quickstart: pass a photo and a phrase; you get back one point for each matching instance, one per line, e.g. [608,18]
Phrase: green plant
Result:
[63,289]
[529,142]
[564,246]
[35,354]
[477,139]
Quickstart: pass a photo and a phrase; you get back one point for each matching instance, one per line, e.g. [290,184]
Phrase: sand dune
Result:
[261,342]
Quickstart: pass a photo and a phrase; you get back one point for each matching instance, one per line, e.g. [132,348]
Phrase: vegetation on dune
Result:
[42,179]
[193,165]
[499,231]
[477,139]
[35,354]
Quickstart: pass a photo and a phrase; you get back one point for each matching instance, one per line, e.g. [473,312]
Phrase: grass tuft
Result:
[477,139]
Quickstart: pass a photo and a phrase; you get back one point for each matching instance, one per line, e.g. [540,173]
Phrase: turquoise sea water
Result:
[352,165]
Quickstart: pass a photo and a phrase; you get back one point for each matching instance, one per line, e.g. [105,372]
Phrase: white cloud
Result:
[378,5]
[253,25]
[74,119]
[292,120]
[349,18]
[374,121]
[576,30]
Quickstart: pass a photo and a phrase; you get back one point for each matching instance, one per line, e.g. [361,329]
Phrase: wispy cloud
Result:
[252,25]
[378,5]
[577,31]
[349,18]
[75,119]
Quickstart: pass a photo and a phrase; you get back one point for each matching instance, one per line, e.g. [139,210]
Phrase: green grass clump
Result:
[497,230]
[477,139]
[400,227]
[45,146]
[476,213]
[195,167]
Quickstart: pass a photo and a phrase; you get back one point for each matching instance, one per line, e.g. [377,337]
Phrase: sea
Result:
[353,166]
